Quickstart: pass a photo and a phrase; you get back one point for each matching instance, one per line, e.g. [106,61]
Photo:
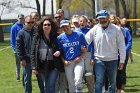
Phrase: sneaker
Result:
[18,79]
[122,91]
[132,62]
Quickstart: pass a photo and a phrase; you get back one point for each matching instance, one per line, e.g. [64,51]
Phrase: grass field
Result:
[8,82]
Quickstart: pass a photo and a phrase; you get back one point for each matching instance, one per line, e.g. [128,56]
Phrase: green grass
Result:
[8,82]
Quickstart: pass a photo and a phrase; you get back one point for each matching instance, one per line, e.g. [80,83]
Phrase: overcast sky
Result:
[26,11]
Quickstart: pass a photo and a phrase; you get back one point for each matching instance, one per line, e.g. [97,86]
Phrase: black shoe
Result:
[18,79]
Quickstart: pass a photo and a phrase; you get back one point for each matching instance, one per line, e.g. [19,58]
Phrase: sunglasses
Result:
[30,22]
[57,17]
[46,24]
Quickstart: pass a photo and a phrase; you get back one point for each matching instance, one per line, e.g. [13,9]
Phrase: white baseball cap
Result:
[75,20]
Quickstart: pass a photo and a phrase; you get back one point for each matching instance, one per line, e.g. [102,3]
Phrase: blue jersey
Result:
[71,44]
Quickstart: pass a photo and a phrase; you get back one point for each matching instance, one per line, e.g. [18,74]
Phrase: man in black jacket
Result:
[23,47]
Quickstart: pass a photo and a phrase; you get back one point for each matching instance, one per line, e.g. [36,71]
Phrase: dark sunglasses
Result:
[30,22]
[57,17]
[46,24]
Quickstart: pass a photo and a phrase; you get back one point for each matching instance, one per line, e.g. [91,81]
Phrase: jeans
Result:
[111,70]
[27,73]
[17,66]
[47,82]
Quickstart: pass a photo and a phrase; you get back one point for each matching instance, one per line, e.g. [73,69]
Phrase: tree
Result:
[123,3]
[44,8]
[60,4]
[26,4]
[6,6]
[135,16]
[117,7]
[93,8]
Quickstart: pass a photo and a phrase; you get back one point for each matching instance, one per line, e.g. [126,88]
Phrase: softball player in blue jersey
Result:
[73,47]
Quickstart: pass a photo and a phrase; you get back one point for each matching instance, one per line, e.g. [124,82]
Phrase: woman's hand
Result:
[23,62]
[92,62]
[66,63]
[35,71]
[56,54]
[78,59]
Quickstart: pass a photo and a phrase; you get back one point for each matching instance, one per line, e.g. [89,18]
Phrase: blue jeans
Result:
[27,73]
[111,70]
[47,82]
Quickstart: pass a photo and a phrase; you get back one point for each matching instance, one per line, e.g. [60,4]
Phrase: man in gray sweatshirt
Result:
[108,43]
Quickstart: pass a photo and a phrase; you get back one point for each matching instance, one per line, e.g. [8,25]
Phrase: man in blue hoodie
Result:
[13,34]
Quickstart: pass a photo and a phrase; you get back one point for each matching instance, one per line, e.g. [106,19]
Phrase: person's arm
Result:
[128,40]
[20,45]
[34,51]
[121,48]
[89,36]
[20,48]
[92,54]
[13,38]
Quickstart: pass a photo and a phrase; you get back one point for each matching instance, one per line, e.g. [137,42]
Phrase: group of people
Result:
[62,53]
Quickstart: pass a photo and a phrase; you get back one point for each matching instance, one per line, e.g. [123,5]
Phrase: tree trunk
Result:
[117,8]
[123,3]
[44,8]
[93,8]
[1,33]
[38,8]
[52,9]
[135,16]
[60,4]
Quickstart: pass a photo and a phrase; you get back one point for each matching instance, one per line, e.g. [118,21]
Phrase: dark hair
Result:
[54,27]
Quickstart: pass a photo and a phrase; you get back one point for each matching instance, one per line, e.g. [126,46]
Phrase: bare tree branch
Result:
[25,6]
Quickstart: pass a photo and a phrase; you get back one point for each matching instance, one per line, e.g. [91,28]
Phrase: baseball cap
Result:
[75,20]
[20,16]
[64,23]
[102,14]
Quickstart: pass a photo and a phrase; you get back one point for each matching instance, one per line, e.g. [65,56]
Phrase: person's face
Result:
[35,18]
[20,20]
[123,22]
[57,18]
[76,24]
[82,22]
[66,28]
[104,21]
[29,23]
[47,26]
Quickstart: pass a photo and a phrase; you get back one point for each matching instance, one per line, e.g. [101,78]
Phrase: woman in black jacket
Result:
[45,55]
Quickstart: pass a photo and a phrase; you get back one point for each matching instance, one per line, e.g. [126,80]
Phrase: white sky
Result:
[26,11]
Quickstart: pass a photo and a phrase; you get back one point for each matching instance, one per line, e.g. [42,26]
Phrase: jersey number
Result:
[71,50]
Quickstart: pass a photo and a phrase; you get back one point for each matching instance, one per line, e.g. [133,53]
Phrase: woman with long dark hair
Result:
[45,54]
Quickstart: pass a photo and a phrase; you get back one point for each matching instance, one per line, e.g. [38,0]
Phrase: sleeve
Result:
[59,44]
[92,50]
[128,40]
[89,36]
[20,45]
[34,52]
[83,40]
[121,45]
[13,37]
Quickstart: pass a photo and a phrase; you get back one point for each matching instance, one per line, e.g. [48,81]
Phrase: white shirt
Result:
[107,42]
